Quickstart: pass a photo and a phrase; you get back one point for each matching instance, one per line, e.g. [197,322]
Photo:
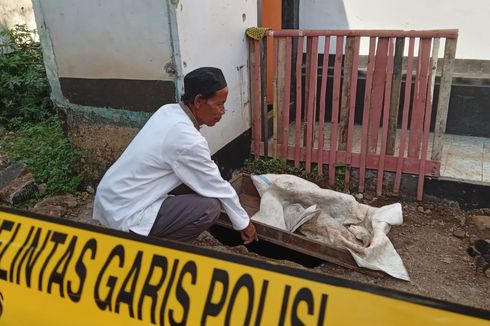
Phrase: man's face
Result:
[209,111]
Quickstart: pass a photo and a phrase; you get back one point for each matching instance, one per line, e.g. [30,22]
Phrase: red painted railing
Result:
[310,96]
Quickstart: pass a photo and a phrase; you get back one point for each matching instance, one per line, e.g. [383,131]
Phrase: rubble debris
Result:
[17,184]
[459,233]
[482,222]
[480,251]
[57,206]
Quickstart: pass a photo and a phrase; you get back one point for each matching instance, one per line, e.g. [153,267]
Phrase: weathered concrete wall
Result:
[102,135]
[214,35]
[14,12]
[107,76]
[109,64]
[121,39]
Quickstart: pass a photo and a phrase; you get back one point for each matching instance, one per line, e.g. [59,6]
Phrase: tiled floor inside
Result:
[463,157]
[466,158]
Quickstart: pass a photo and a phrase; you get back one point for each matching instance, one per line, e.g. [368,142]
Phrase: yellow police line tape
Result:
[56,272]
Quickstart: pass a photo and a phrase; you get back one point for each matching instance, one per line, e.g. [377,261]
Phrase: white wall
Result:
[212,33]
[14,12]
[124,39]
[470,17]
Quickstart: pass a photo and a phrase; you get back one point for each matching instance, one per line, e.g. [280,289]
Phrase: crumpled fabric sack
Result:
[337,219]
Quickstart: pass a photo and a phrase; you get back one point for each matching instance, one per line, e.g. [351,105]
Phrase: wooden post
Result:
[255,90]
[425,141]
[335,108]
[297,124]
[312,67]
[406,107]
[419,98]
[279,96]
[352,110]
[323,94]
[386,113]
[444,96]
[263,83]
[377,92]
[287,97]
[346,93]
[366,113]
[395,95]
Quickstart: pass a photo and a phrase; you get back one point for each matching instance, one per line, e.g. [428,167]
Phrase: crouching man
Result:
[142,191]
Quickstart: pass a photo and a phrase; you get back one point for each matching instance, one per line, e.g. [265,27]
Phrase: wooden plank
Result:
[443,100]
[346,93]
[306,88]
[280,94]
[428,112]
[300,244]
[263,84]
[335,108]
[352,110]
[433,64]
[287,96]
[275,97]
[406,107]
[425,141]
[323,94]
[366,112]
[395,95]
[448,33]
[312,67]
[420,96]
[377,93]
[297,124]
[386,113]
[410,165]
[254,53]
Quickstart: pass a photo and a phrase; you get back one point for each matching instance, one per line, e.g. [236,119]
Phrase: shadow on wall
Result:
[321,14]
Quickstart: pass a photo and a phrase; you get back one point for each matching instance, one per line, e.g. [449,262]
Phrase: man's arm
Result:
[195,168]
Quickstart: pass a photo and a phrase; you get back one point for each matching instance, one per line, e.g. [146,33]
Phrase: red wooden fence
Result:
[307,91]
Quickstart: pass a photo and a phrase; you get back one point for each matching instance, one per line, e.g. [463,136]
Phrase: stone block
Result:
[17,184]
[482,222]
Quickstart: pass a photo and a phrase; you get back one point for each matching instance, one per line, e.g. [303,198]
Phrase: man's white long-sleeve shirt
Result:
[167,152]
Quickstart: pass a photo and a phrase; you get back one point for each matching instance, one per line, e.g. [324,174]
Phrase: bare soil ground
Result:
[432,243]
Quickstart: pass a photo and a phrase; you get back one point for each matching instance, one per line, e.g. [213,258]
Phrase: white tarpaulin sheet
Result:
[337,219]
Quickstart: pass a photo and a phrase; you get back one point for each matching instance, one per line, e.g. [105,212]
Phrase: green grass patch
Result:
[45,150]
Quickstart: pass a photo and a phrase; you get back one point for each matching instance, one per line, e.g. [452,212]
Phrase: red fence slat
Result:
[311,100]
[352,109]
[406,106]
[420,95]
[386,115]
[323,92]
[335,108]
[287,98]
[256,95]
[377,93]
[425,141]
[297,124]
[366,113]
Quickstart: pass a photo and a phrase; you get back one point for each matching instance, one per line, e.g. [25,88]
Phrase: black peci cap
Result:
[205,80]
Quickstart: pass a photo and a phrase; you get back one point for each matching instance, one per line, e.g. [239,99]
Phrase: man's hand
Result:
[249,234]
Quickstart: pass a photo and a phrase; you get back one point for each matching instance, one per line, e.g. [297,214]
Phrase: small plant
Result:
[279,166]
[24,89]
[340,177]
[46,151]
